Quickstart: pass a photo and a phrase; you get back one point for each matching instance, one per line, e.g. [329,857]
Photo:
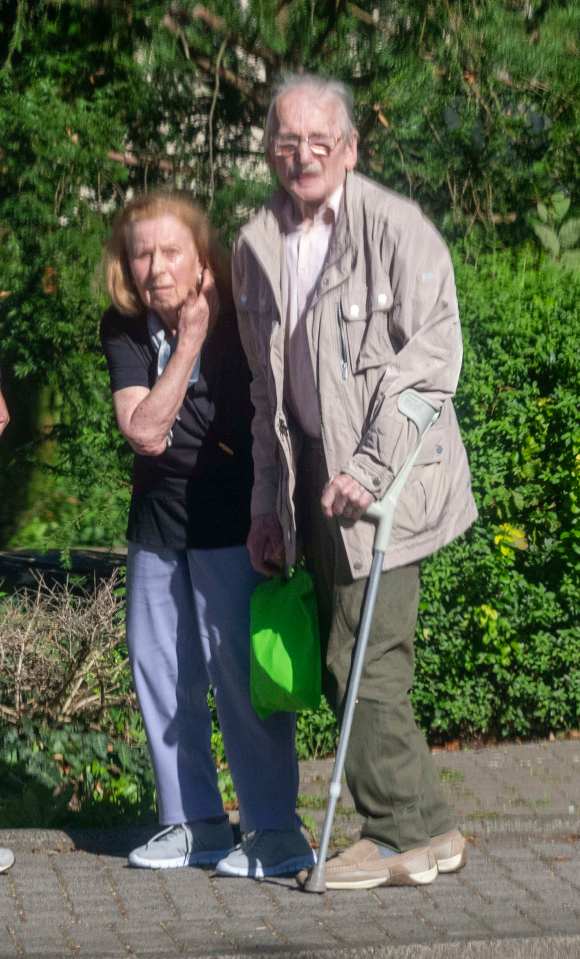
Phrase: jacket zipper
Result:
[343,348]
[280,432]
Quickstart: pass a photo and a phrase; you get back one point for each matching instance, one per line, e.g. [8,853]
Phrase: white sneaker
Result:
[268,852]
[185,844]
[6,859]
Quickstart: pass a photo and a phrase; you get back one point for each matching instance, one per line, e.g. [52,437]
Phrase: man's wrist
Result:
[375,483]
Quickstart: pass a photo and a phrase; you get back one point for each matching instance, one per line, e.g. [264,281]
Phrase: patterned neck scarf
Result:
[164,346]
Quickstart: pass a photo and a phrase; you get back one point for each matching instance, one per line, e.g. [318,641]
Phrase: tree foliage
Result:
[471,108]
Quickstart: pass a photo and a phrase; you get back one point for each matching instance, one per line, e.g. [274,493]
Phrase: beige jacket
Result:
[384,317]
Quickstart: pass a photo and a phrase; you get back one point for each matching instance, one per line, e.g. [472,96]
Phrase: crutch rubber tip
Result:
[311,880]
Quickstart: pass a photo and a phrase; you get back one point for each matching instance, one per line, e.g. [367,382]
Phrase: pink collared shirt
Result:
[305,248]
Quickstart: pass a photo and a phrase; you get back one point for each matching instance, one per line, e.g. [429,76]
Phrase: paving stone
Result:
[95,940]
[7,945]
[557,920]
[252,933]
[40,936]
[510,923]
[145,938]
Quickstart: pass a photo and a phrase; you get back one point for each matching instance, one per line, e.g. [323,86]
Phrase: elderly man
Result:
[346,297]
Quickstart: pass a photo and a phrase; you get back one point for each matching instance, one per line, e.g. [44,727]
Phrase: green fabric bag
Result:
[285,645]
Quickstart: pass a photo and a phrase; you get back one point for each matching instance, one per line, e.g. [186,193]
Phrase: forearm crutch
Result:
[423,415]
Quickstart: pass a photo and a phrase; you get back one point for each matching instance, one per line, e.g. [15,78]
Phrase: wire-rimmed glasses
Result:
[319,144]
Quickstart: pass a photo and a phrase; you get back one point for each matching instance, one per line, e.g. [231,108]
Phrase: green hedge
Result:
[497,643]
[498,640]
[498,649]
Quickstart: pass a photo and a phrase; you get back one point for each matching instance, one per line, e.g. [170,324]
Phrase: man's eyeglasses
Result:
[319,145]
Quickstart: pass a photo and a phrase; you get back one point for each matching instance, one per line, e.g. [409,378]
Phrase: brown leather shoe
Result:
[450,851]
[362,867]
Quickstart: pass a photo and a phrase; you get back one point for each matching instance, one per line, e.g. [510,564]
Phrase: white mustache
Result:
[307,168]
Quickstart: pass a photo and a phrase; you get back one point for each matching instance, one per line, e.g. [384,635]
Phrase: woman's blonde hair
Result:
[147,206]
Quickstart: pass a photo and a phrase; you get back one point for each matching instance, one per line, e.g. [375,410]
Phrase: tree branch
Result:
[258,98]
[330,25]
[217,24]
[248,90]
[371,19]
[210,130]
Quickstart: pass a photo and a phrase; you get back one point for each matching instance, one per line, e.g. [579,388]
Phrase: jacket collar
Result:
[264,236]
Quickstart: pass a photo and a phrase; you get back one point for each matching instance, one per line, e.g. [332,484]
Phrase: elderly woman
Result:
[181,396]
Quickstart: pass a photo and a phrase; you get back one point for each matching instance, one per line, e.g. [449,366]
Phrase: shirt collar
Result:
[327,214]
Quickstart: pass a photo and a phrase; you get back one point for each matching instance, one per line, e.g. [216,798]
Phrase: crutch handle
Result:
[423,414]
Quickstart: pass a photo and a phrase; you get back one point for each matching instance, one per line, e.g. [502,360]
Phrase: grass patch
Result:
[451,775]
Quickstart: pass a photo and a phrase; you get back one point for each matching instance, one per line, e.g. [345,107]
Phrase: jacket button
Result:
[355,311]
[357,565]
[376,481]
[438,449]
[382,299]
[243,298]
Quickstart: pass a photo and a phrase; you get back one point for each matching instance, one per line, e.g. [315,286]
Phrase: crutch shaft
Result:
[316,881]
[423,414]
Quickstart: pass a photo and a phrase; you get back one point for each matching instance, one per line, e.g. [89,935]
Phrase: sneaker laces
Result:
[165,834]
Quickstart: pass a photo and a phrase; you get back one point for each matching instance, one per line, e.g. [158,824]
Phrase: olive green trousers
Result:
[389,769]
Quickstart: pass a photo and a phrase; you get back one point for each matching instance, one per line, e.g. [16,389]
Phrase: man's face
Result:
[311,179]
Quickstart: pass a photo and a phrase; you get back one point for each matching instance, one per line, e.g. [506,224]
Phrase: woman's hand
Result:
[197,315]
[146,416]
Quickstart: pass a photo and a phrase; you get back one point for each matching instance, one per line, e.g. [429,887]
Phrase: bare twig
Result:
[130,159]
[60,654]
[216,90]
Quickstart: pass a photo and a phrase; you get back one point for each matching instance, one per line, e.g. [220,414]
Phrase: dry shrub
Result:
[62,653]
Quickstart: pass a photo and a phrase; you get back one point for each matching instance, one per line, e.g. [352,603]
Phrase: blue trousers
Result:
[187,630]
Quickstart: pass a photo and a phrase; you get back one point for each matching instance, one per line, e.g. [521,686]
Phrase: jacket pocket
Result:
[364,324]
[423,501]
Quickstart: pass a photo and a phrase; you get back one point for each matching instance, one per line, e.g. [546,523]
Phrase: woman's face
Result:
[164,263]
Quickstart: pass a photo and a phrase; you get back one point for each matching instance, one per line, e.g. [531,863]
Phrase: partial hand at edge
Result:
[4,414]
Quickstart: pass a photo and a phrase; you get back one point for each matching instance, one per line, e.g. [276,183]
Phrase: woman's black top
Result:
[196,494]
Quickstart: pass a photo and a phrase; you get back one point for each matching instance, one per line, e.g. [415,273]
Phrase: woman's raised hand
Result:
[198,313]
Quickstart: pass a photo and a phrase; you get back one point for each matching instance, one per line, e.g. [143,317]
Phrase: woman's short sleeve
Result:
[127,350]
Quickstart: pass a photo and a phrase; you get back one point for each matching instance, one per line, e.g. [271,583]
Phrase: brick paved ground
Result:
[73,895]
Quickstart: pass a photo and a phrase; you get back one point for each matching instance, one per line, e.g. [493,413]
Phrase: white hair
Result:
[323,89]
